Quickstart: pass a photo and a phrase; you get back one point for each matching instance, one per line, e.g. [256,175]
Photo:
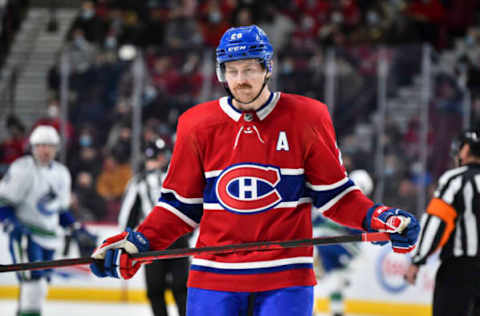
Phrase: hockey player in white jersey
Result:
[34,205]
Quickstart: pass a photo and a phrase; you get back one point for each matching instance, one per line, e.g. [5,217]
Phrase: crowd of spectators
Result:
[177,40]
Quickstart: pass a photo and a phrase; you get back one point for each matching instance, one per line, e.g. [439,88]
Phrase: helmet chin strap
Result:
[265,81]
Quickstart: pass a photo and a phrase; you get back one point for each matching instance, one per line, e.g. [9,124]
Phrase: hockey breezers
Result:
[149,256]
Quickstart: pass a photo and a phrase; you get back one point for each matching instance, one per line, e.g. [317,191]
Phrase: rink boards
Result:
[376,283]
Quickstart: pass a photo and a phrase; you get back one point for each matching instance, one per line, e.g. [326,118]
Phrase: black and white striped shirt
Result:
[452,220]
[141,195]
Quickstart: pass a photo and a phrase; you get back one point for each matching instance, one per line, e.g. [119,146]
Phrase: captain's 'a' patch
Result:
[282,142]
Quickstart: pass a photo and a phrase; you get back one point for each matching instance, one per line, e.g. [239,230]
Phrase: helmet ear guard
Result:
[219,69]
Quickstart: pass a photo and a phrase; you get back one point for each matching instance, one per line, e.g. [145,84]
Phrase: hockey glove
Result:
[113,255]
[11,224]
[15,229]
[402,226]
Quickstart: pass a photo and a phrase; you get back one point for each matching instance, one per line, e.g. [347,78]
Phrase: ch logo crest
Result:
[248,188]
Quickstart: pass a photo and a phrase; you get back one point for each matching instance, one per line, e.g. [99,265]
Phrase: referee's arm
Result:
[438,222]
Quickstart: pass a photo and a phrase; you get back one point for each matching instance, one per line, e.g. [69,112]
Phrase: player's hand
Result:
[411,274]
[402,226]
[113,255]
[15,229]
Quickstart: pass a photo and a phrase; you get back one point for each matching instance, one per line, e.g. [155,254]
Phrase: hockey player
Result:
[34,203]
[247,168]
[139,199]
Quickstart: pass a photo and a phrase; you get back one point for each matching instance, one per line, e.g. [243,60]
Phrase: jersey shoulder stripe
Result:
[192,211]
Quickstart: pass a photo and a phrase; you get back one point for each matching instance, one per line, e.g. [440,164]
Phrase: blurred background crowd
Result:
[175,41]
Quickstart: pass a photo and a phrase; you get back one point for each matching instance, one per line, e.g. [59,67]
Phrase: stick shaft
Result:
[186,252]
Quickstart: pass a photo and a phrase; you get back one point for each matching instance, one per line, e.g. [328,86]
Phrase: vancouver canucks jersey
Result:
[253,176]
[38,194]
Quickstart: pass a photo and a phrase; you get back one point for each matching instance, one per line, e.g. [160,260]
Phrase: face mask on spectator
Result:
[79,41]
[215,16]
[87,14]
[372,18]
[111,42]
[53,111]
[85,140]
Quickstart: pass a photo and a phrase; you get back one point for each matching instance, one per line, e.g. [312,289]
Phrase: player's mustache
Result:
[244,86]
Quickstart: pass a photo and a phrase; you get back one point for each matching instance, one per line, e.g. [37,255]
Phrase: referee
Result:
[452,223]
[139,198]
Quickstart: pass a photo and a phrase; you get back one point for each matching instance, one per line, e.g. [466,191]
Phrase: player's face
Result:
[44,153]
[245,79]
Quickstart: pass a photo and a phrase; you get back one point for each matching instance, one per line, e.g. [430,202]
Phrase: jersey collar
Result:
[262,112]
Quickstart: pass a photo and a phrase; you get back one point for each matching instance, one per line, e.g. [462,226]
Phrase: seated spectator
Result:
[213,22]
[13,146]
[92,26]
[111,184]
[82,53]
[53,118]
[85,153]
[119,140]
[87,204]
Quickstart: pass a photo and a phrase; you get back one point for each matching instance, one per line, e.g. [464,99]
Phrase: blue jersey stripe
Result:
[192,211]
[252,271]
[321,198]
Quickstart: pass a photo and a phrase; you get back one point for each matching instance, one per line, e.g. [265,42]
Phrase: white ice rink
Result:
[63,308]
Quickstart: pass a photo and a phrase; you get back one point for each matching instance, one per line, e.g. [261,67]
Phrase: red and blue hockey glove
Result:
[113,255]
[402,226]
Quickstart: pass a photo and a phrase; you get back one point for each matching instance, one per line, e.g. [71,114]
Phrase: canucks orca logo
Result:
[248,188]
[44,201]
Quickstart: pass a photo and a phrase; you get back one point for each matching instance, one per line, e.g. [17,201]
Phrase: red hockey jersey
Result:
[253,176]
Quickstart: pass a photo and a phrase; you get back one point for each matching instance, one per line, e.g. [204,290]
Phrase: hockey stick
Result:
[149,256]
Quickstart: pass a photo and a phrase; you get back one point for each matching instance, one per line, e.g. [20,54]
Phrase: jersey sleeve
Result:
[15,185]
[332,192]
[180,207]
[66,191]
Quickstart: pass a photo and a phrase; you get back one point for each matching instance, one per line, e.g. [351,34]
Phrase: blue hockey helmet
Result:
[244,42]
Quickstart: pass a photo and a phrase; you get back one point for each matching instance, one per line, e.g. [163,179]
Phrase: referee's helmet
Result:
[470,137]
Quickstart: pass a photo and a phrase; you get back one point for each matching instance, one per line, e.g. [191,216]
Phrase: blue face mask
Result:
[85,140]
[87,13]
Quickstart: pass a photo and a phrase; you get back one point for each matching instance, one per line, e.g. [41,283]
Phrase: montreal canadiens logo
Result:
[248,188]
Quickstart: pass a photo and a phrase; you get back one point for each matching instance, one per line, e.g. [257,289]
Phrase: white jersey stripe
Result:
[217,206]
[283,171]
[182,216]
[326,187]
[251,265]
[181,198]
[332,202]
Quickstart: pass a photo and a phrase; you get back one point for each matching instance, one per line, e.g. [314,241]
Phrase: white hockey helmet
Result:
[363,180]
[45,135]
